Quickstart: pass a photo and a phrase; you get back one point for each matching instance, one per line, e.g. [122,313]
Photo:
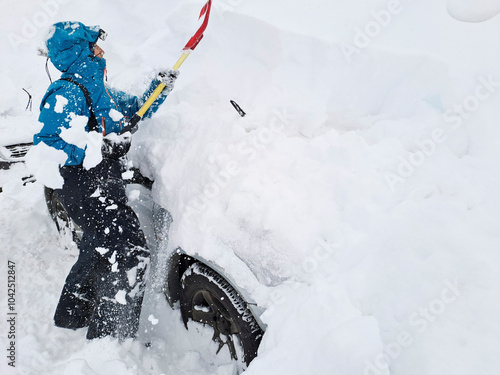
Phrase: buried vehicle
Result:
[198,288]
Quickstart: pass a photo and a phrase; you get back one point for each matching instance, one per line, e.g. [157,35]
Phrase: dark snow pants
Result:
[105,287]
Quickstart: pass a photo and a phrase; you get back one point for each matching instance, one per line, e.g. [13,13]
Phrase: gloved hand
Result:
[115,146]
[168,78]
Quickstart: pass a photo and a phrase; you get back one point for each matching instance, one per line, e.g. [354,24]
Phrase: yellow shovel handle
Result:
[181,60]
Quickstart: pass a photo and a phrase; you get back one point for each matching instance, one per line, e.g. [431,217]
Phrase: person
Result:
[105,287]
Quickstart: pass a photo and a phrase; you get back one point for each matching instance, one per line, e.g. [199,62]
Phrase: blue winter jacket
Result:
[70,50]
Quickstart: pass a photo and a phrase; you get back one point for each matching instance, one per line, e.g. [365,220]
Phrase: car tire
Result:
[206,297]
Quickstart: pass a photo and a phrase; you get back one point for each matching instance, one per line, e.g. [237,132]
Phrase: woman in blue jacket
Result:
[105,287]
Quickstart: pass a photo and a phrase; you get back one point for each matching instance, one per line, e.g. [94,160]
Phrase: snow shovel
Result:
[188,48]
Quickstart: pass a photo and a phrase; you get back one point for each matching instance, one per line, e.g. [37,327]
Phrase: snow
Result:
[115,115]
[473,11]
[356,202]
[88,141]
[133,195]
[153,320]
[44,161]
[101,250]
[131,276]
[121,297]
[61,102]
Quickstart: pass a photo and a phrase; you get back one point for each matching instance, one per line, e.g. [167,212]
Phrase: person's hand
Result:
[168,78]
[116,146]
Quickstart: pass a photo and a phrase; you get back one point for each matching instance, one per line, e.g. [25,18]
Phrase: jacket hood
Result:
[69,43]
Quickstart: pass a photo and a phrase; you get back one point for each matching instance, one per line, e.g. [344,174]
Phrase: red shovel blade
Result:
[195,39]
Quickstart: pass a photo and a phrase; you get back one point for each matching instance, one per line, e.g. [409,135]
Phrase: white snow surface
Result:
[473,10]
[357,201]
[60,103]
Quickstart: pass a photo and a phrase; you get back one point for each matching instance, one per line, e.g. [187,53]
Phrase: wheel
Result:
[61,218]
[206,297]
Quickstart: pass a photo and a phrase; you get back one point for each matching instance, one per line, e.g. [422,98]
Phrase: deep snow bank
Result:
[364,194]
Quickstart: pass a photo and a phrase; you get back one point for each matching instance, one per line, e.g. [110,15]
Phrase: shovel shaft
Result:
[181,60]
[191,45]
